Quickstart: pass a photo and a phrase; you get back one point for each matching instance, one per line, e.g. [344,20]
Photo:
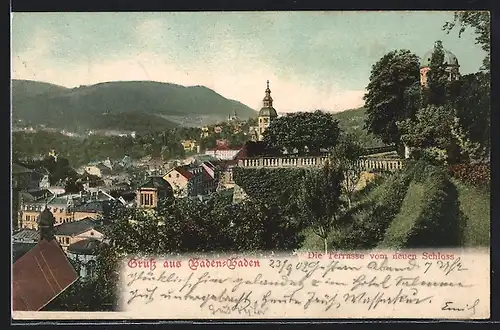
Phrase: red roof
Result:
[40,275]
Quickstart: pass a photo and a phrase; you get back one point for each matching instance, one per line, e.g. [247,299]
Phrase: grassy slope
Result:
[475,204]
[404,221]
[314,242]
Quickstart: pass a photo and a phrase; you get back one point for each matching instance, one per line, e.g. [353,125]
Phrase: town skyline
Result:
[313,60]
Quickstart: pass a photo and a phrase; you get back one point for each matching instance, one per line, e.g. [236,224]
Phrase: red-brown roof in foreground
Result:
[40,275]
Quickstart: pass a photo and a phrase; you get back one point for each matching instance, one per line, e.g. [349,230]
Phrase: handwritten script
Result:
[447,285]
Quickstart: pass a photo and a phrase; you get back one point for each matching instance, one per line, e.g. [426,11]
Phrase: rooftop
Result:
[156,182]
[75,227]
[92,206]
[18,169]
[86,246]
[26,236]
[40,275]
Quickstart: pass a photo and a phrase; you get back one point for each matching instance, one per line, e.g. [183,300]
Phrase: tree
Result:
[480,22]
[430,133]
[73,186]
[320,199]
[473,106]
[346,156]
[437,91]
[391,94]
[298,130]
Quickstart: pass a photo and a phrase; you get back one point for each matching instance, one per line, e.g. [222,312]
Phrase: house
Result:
[185,180]
[39,179]
[91,209]
[223,152]
[152,191]
[28,179]
[72,232]
[20,176]
[190,145]
[30,210]
[100,170]
[83,253]
[211,176]
[204,132]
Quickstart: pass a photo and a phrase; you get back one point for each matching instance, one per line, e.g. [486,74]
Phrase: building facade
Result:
[152,191]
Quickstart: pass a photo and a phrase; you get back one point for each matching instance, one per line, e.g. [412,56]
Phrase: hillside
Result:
[353,121]
[84,107]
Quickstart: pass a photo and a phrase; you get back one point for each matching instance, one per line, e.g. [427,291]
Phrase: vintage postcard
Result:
[251,165]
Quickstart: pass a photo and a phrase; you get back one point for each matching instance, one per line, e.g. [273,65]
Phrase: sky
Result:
[313,60]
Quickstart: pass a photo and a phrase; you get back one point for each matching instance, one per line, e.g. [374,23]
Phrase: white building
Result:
[223,153]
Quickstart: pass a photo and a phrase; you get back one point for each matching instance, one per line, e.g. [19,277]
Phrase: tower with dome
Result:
[450,62]
[267,114]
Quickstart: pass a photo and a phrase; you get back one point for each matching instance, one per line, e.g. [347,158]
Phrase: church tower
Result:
[266,114]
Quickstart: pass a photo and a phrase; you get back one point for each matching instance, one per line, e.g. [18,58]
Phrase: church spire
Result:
[268,100]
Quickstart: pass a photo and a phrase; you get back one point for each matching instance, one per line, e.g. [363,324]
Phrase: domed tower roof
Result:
[46,218]
[268,110]
[449,59]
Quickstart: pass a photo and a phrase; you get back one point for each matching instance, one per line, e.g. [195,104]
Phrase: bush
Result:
[477,175]
[270,186]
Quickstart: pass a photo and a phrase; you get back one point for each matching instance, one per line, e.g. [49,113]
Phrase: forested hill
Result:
[353,121]
[158,104]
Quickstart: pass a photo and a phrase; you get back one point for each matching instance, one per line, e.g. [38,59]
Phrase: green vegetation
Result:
[186,226]
[403,223]
[86,107]
[475,206]
[299,130]
[352,122]
[264,184]
[430,215]
[78,151]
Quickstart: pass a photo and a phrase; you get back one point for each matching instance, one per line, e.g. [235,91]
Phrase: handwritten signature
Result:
[453,307]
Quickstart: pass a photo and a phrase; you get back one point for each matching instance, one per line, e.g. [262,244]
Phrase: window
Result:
[177,175]
[142,199]
[148,200]
[170,175]
[67,240]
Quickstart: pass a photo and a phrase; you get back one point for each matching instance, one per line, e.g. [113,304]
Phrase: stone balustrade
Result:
[385,164]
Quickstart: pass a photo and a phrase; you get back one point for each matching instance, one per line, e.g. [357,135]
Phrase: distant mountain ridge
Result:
[119,105]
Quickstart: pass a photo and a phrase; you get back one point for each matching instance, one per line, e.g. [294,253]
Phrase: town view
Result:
[244,132]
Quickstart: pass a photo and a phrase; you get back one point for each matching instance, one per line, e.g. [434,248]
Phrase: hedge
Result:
[270,186]
[440,222]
